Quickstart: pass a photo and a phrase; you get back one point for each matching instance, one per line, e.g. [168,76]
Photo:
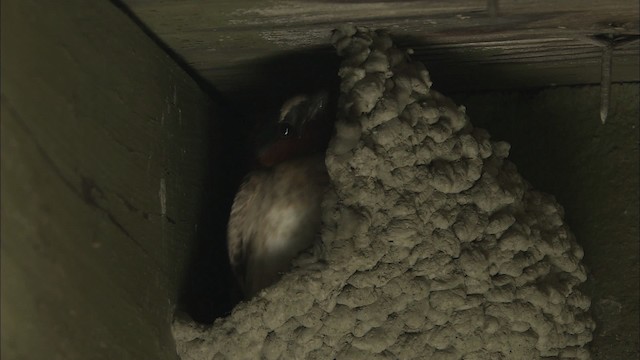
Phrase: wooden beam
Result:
[529,44]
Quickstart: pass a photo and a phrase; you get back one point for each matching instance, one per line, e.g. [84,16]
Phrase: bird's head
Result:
[304,127]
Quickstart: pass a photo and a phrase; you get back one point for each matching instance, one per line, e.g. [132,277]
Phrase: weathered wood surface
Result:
[104,150]
[529,44]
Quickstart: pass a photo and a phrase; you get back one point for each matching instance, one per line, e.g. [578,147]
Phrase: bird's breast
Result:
[285,223]
[277,214]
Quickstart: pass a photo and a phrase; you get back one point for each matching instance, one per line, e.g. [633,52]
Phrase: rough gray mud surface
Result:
[433,245]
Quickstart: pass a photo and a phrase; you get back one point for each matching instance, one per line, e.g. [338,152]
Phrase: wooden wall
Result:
[103,160]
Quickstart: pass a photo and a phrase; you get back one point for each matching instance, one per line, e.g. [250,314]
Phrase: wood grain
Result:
[104,150]
[529,44]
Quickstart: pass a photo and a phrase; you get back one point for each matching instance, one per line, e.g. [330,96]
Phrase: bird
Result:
[276,212]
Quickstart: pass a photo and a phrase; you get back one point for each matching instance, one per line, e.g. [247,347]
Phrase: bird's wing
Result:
[241,230]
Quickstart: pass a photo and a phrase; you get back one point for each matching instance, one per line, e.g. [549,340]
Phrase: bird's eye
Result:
[286,129]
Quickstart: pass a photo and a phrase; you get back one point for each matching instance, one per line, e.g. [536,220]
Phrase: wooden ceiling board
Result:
[529,44]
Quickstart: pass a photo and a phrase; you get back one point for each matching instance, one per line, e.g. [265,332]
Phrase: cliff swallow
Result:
[276,212]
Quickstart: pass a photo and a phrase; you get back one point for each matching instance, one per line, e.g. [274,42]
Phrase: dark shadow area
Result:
[209,290]
[266,83]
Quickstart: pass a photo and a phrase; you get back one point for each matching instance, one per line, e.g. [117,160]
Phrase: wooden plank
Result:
[223,40]
[104,153]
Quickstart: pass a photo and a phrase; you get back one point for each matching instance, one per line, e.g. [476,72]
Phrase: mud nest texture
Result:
[433,246]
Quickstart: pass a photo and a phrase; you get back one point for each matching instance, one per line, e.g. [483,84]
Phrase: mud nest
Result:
[433,246]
